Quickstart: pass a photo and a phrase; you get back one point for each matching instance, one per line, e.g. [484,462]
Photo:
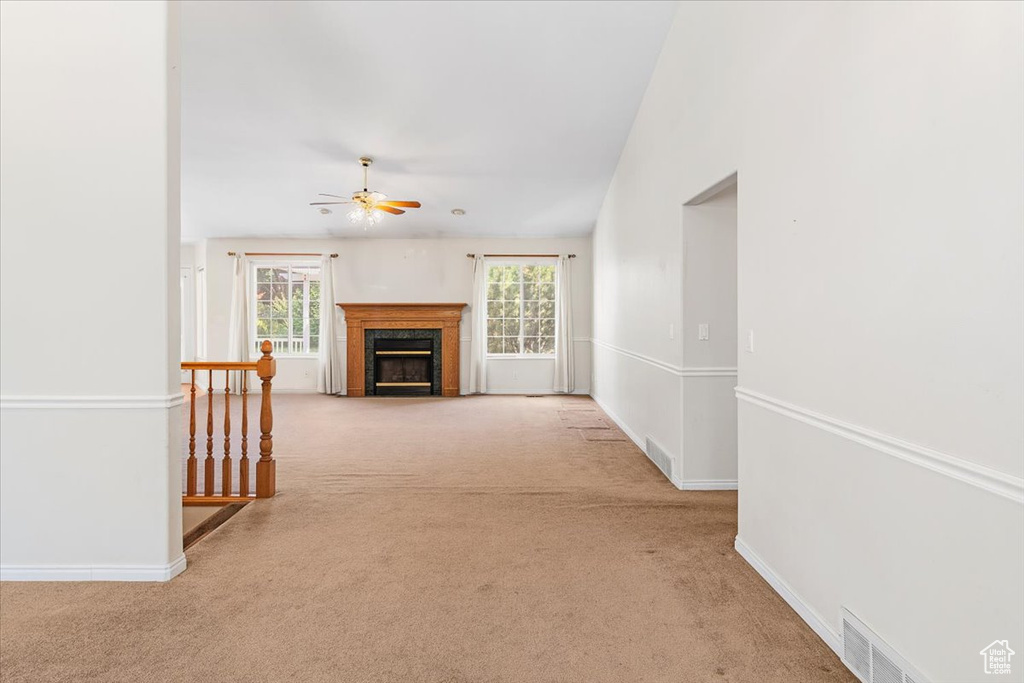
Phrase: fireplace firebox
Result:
[403,367]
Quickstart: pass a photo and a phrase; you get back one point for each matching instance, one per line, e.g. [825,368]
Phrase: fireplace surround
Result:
[402,362]
[368,323]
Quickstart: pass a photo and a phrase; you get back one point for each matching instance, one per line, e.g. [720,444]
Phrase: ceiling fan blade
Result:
[324,194]
[389,209]
[323,203]
[413,205]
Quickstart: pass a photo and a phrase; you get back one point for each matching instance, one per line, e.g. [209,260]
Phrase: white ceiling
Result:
[514,111]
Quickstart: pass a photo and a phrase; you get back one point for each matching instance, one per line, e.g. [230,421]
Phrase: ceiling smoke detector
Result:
[458,212]
[324,210]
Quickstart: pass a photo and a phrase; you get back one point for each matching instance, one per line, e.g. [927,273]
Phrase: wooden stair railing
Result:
[266,468]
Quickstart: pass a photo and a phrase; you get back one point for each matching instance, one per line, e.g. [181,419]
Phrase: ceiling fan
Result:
[370,206]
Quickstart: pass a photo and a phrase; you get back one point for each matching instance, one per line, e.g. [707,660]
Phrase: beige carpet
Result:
[455,540]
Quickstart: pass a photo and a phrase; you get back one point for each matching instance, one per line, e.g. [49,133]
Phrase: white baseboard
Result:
[525,392]
[695,485]
[803,610]
[635,438]
[164,572]
[707,485]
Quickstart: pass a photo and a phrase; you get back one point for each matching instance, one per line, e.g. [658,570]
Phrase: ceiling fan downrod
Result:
[365,161]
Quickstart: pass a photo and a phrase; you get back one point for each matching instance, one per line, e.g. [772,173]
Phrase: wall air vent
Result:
[870,658]
[659,457]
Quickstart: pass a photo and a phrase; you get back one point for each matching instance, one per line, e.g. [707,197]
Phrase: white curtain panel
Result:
[329,377]
[239,345]
[565,375]
[478,336]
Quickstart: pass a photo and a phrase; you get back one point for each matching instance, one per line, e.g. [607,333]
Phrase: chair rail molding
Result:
[661,365]
[985,478]
[15,402]
[678,371]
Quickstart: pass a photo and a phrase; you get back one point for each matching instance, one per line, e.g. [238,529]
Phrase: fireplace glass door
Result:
[403,367]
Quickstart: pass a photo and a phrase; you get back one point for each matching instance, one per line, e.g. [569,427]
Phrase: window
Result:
[521,309]
[286,307]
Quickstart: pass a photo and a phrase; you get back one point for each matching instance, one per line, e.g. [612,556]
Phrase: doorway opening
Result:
[709,324]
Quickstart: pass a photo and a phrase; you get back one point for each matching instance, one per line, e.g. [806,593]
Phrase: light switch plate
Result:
[750,341]
[702,332]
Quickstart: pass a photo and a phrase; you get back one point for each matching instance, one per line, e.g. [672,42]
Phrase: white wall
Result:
[189,309]
[408,271]
[878,147]
[708,456]
[89,131]
[199,263]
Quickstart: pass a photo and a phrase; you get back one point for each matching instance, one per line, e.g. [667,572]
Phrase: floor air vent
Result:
[659,458]
[870,658]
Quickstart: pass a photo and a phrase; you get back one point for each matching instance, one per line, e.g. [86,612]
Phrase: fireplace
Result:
[373,324]
[403,367]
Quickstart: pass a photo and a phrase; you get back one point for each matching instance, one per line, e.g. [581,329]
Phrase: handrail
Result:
[266,468]
[219,365]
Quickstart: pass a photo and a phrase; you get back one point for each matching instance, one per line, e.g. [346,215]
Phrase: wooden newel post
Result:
[266,477]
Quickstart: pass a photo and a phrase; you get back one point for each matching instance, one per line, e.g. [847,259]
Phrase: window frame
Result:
[289,263]
[521,262]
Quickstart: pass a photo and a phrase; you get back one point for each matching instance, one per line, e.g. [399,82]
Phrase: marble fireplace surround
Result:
[444,317]
[370,343]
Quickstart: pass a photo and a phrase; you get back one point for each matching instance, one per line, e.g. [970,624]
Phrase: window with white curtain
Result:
[521,309]
[286,306]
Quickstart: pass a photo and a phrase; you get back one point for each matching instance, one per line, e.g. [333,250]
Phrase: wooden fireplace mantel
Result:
[445,317]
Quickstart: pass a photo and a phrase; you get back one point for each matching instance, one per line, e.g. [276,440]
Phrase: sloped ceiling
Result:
[514,111]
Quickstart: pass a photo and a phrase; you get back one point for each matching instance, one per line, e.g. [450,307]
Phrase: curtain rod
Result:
[278,253]
[519,255]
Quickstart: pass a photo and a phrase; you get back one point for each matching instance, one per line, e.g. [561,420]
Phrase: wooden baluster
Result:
[191,477]
[208,463]
[225,464]
[243,463]
[266,474]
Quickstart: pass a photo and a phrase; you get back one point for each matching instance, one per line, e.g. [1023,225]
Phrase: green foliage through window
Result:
[521,309]
[287,307]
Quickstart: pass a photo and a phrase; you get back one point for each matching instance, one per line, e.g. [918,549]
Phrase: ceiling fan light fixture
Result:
[361,214]
[370,207]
